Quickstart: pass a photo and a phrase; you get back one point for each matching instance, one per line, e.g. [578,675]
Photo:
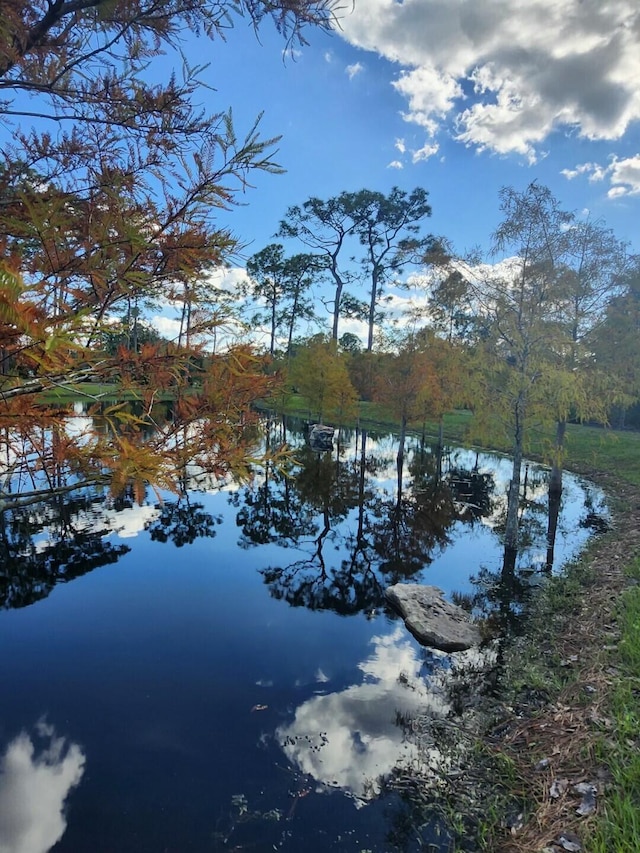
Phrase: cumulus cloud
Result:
[623,175]
[353,70]
[396,164]
[503,75]
[33,790]
[425,152]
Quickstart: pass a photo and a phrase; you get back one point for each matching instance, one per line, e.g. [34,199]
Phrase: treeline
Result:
[545,336]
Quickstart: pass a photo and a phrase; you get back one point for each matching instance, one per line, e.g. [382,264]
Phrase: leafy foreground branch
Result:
[545,757]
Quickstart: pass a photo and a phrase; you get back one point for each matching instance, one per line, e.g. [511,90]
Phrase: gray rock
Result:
[432,620]
[320,437]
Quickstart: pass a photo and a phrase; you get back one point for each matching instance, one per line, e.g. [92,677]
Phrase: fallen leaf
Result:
[558,788]
[569,841]
[588,804]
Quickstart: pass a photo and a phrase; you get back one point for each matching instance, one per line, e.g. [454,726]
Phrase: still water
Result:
[219,671]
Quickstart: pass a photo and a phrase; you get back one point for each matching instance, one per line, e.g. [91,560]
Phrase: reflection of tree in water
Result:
[501,597]
[473,491]
[387,537]
[182,522]
[272,511]
[326,485]
[32,565]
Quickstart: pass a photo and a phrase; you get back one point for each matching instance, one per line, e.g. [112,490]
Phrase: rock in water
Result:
[320,437]
[433,621]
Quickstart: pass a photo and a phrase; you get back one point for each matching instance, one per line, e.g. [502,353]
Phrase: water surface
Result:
[219,671]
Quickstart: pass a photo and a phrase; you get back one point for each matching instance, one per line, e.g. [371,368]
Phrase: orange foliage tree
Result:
[111,187]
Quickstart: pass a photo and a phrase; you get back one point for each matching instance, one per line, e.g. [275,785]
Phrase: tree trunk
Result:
[400,456]
[555,480]
[552,527]
[372,310]
[513,500]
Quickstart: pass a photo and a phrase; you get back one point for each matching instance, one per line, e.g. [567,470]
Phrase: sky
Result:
[459,97]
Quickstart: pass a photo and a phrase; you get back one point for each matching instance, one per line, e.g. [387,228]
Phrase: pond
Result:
[218,671]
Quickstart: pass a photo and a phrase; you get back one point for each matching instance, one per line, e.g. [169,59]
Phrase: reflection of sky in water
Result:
[349,738]
[33,788]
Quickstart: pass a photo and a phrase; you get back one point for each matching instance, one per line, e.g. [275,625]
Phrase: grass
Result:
[618,827]
[588,448]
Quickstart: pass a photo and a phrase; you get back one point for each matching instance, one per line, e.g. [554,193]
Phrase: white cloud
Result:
[396,164]
[291,53]
[503,75]
[623,175]
[33,790]
[581,169]
[400,145]
[353,70]
[425,152]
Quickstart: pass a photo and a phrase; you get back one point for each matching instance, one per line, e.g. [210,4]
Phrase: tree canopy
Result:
[110,195]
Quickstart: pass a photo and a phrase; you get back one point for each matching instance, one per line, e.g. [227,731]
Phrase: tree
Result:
[281,284]
[521,305]
[113,198]
[325,227]
[406,384]
[586,261]
[320,373]
[593,264]
[616,340]
[387,228]
[538,308]
[266,284]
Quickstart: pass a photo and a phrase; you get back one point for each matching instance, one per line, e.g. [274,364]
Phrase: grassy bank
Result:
[589,449]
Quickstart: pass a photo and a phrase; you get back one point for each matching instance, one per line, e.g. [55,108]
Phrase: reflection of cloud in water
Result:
[350,738]
[126,523]
[33,789]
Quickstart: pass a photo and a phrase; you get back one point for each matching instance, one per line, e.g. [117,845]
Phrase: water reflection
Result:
[365,528]
[347,524]
[55,541]
[36,777]
[182,521]
[351,738]
[180,645]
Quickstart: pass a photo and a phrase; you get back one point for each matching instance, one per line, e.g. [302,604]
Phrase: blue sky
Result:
[459,97]
[447,96]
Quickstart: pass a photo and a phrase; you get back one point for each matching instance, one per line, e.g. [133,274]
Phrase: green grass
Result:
[590,447]
[618,825]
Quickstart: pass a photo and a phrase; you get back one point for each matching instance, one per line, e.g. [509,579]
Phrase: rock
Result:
[432,620]
[320,437]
